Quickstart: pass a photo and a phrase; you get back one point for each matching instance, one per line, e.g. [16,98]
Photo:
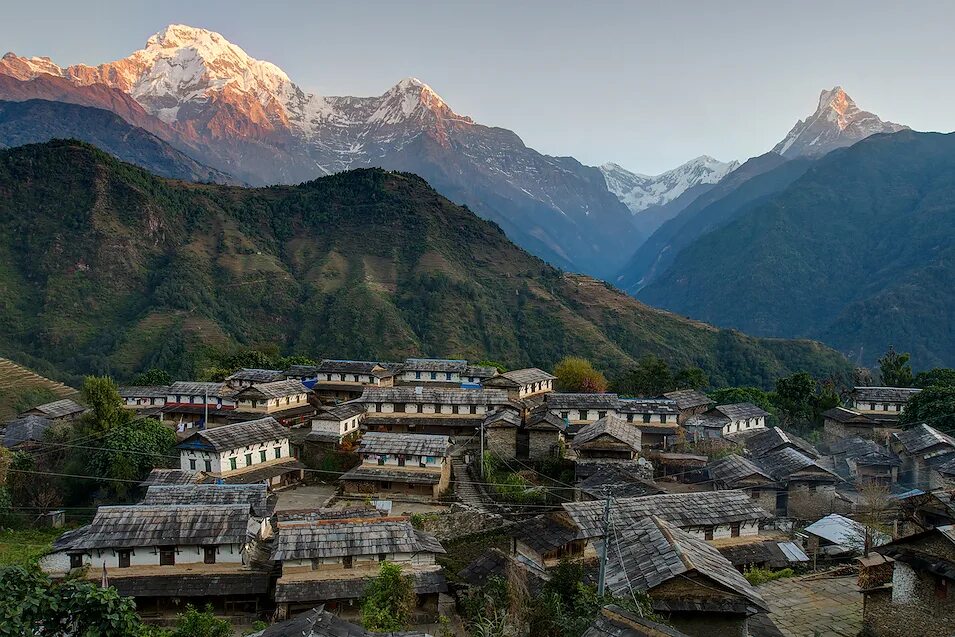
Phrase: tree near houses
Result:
[389,600]
[934,406]
[106,407]
[578,375]
[895,370]
[943,376]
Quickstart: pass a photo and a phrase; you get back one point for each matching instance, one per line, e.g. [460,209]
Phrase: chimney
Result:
[418,391]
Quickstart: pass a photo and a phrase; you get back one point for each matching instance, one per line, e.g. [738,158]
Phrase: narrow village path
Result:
[808,607]
[466,492]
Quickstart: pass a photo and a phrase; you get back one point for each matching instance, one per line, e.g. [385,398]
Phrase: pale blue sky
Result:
[645,84]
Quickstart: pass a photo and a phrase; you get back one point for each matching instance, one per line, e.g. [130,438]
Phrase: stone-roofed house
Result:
[496,563]
[246,377]
[698,590]
[65,409]
[522,383]
[343,380]
[174,477]
[26,432]
[916,594]
[923,449]
[443,372]
[609,438]
[621,480]
[805,488]
[656,418]
[707,514]
[545,434]
[273,397]
[547,539]
[331,562]
[200,495]
[400,463]
[144,397]
[434,410]
[774,439]
[736,472]
[578,410]
[690,402]
[196,405]
[863,460]
[331,426]
[726,420]
[840,422]
[614,621]
[243,453]
[881,403]
[501,430]
[166,554]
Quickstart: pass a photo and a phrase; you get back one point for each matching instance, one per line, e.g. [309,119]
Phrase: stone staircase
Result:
[466,492]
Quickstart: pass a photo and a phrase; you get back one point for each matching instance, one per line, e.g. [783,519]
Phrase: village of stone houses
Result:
[443,497]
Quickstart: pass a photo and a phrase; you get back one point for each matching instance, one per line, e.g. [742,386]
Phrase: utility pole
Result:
[481,459]
[602,577]
[205,400]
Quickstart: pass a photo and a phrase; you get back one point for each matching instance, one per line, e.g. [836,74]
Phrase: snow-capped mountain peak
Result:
[837,122]
[639,192]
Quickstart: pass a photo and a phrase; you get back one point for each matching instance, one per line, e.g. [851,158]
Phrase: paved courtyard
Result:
[311,496]
[808,607]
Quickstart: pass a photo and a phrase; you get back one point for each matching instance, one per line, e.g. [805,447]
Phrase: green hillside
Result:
[106,268]
[859,251]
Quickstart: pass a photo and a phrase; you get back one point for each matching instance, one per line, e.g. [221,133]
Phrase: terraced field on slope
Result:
[19,384]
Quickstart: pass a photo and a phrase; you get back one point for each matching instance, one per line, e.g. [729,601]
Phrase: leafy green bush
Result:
[756,575]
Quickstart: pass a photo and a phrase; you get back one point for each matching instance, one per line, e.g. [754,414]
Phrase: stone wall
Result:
[542,444]
[501,441]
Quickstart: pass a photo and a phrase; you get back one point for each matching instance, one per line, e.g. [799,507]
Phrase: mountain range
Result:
[858,250]
[107,268]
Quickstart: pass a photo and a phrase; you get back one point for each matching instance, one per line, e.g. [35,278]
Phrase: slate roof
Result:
[386,443]
[207,585]
[848,416]
[544,533]
[688,398]
[337,538]
[144,391]
[704,508]
[171,476]
[235,436]
[785,462]
[189,388]
[330,513]
[614,621]
[495,563]
[263,471]
[503,418]
[27,429]
[60,408]
[435,365]
[741,411]
[558,400]
[477,371]
[147,525]
[543,418]
[620,479]
[257,375]
[735,468]
[329,588]
[302,371]
[324,432]
[433,395]
[341,412]
[648,406]
[528,376]
[844,532]
[276,389]
[365,473]
[771,553]
[330,366]
[774,438]
[884,394]
[201,495]
[864,451]
[610,425]
[651,551]
[922,438]
[708,420]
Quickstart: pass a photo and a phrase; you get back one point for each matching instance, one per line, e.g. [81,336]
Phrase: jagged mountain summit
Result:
[247,118]
[837,123]
[639,192]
